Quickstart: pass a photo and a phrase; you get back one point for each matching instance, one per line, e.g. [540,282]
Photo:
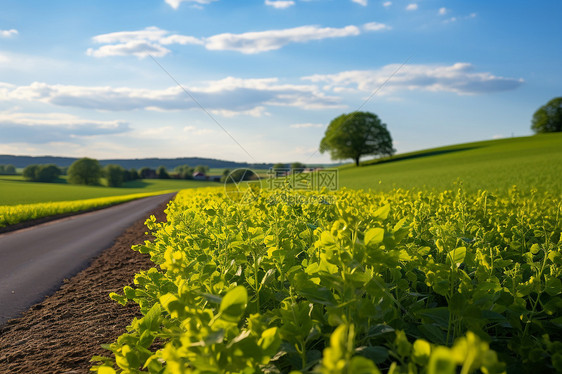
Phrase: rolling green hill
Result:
[496,165]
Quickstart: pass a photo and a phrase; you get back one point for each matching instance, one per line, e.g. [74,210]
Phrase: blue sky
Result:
[81,78]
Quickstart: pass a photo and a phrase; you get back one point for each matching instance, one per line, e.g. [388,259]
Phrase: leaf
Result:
[441,362]
[361,365]
[121,299]
[421,352]
[172,304]
[233,304]
[457,255]
[553,286]
[433,333]
[267,276]
[382,213]
[439,316]
[151,321]
[320,295]
[106,370]
[270,341]
[535,248]
[374,236]
[377,353]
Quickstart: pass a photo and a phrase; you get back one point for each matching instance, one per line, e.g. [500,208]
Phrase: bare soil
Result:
[62,333]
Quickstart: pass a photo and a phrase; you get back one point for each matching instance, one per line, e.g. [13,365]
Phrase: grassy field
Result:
[14,190]
[528,162]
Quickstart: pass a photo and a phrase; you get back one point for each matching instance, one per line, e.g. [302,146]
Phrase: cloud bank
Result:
[42,128]
[153,40]
[460,78]
[228,96]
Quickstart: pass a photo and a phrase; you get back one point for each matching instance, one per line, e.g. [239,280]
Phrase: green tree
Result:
[85,171]
[114,174]
[30,171]
[162,173]
[47,173]
[356,134]
[10,169]
[238,175]
[297,167]
[548,118]
[279,167]
[147,173]
[7,169]
[202,169]
[134,174]
[184,171]
[41,173]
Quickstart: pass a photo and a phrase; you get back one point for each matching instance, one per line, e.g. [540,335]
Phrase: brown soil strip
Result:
[61,334]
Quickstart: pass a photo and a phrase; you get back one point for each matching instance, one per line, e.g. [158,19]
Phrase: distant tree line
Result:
[42,173]
[7,170]
[88,171]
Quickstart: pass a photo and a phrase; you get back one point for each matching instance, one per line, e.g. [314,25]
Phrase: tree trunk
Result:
[356,161]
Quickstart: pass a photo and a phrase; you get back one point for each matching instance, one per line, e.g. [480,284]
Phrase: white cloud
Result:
[498,136]
[141,43]
[136,48]
[280,4]
[442,11]
[262,41]
[375,26]
[152,40]
[459,78]
[152,34]
[412,6]
[229,96]
[259,111]
[360,2]
[306,125]
[8,33]
[51,127]
[176,3]
[386,4]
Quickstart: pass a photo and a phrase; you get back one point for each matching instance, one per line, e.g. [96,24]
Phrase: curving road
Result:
[35,261]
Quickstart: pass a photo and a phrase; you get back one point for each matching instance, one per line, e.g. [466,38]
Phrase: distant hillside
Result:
[532,162]
[169,163]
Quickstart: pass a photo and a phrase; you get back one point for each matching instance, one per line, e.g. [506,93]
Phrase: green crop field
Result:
[497,165]
[14,190]
[393,282]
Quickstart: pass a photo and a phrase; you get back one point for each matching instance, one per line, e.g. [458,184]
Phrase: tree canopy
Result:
[85,171]
[357,134]
[41,173]
[114,174]
[548,118]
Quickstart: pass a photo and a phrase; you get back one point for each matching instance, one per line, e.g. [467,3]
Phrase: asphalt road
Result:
[35,261]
